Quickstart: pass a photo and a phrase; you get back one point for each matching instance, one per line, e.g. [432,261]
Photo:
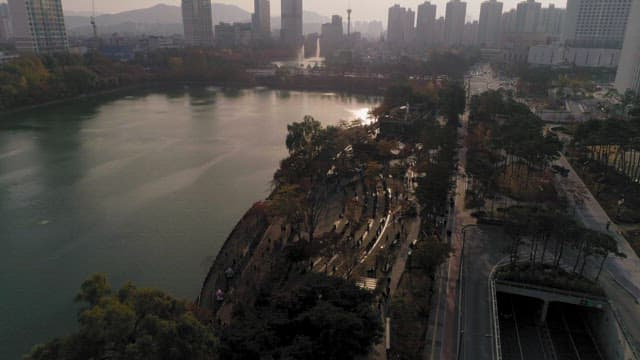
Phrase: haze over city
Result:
[362,9]
[320,179]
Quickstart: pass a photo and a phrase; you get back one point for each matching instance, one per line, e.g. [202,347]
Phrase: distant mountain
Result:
[159,14]
[165,19]
[310,19]
[78,13]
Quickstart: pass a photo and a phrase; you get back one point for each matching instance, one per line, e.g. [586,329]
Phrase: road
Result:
[621,278]
[483,249]
[447,320]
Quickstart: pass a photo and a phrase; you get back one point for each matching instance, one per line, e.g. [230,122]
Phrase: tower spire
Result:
[93,19]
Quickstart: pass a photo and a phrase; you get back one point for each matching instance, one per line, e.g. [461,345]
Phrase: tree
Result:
[303,136]
[94,289]
[605,245]
[300,204]
[302,181]
[132,324]
[372,173]
[453,100]
[313,316]
[430,254]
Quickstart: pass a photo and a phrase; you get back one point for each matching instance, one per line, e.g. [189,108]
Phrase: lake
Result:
[143,186]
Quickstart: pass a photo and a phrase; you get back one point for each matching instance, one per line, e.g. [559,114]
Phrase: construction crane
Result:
[93,19]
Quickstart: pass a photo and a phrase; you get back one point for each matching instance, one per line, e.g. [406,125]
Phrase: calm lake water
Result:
[143,187]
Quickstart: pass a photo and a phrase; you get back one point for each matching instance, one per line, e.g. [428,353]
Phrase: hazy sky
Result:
[362,9]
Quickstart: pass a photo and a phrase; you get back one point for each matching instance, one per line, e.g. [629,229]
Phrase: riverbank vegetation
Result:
[349,202]
[311,316]
[37,79]
[30,79]
[132,323]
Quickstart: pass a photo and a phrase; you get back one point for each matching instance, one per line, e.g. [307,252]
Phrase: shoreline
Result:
[171,84]
[75,98]
[242,225]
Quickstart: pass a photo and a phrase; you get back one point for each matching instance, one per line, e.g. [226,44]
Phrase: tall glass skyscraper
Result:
[38,26]
[198,25]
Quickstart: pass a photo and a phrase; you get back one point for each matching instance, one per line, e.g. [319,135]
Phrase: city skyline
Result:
[362,9]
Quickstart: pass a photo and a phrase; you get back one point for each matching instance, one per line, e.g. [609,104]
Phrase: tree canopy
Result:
[506,138]
[32,79]
[132,323]
[313,316]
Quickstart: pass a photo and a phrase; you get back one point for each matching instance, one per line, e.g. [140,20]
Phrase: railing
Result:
[576,294]
[494,317]
[625,331]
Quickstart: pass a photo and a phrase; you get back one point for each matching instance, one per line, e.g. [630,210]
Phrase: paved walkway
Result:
[442,335]
[621,280]
[401,261]
[399,265]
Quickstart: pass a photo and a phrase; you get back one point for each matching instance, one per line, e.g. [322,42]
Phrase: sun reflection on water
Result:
[362,114]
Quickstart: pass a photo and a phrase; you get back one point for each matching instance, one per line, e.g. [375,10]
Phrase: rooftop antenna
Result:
[93,19]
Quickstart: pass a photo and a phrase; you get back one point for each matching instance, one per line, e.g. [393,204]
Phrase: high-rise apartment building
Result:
[596,23]
[369,29]
[551,20]
[454,22]
[489,24]
[440,26]
[410,26]
[528,16]
[628,76]
[261,20]
[508,23]
[5,23]
[426,26]
[38,26]
[400,26]
[198,25]
[291,30]
[470,36]
[332,36]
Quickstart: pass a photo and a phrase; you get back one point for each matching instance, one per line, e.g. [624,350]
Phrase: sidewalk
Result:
[621,280]
[442,334]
